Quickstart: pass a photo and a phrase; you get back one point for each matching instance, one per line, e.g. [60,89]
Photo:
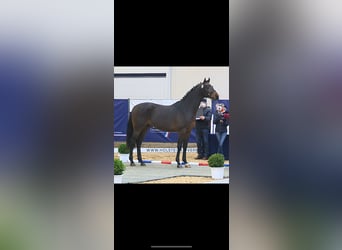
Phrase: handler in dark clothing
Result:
[221,119]
[203,119]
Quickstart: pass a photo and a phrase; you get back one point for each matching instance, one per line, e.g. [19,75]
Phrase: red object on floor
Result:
[165,162]
[203,164]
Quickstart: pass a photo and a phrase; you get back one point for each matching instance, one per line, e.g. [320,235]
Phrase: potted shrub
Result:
[123,152]
[119,169]
[216,164]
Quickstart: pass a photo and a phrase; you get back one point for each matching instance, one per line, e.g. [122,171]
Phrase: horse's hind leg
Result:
[131,147]
[139,154]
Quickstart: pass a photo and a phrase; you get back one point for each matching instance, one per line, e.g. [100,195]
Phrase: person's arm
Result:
[216,118]
[208,115]
[226,119]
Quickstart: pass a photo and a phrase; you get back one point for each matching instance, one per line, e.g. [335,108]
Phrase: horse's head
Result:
[208,90]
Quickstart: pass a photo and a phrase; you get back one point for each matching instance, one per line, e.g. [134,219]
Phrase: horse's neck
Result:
[192,101]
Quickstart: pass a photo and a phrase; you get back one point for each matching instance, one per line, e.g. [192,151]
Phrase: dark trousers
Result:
[221,136]
[202,139]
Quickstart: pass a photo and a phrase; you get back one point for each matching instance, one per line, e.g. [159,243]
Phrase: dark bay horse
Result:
[178,117]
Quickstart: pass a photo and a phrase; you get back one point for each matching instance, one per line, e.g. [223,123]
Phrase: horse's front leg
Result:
[185,146]
[179,147]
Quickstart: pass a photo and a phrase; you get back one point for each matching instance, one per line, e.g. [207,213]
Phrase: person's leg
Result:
[202,143]
[218,137]
[222,139]
[198,142]
[206,142]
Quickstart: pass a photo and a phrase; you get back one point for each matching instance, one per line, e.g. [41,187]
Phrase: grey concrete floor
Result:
[153,171]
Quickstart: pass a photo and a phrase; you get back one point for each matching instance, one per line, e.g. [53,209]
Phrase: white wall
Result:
[144,87]
[184,78]
[178,81]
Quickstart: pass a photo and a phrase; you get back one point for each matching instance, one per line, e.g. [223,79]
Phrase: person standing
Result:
[203,119]
[221,120]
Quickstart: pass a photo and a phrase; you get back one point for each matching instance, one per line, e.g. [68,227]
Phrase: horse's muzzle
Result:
[214,95]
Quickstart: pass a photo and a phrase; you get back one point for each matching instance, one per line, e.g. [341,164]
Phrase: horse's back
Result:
[163,117]
[145,108]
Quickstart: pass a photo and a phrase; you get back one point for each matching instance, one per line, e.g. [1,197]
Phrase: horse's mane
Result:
[190,91]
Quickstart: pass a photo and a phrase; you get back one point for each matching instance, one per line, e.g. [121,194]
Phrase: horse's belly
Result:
[169,121]
[171,127]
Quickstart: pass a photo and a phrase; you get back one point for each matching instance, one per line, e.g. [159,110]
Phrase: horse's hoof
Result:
[187,165]
[179,166]
[132,164]
[142,164]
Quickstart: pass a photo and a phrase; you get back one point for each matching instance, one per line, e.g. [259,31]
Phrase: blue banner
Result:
[121,113]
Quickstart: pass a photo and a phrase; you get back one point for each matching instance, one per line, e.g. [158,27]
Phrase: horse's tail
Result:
[129,132]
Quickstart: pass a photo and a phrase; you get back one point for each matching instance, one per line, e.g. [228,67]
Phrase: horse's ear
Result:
[205,79]
[208,79]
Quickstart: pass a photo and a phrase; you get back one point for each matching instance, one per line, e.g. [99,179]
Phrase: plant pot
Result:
[217,172]
[118,178]
[124,158]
